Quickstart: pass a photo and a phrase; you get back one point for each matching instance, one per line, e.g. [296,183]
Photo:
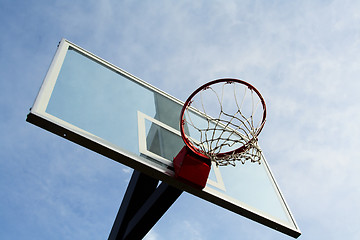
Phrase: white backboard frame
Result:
[216,189]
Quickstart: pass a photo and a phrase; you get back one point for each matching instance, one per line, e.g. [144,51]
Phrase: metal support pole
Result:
[143,205]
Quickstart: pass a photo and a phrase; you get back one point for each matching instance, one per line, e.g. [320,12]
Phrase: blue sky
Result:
[304,57]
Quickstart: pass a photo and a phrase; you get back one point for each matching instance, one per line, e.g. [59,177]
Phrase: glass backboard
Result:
[101,107]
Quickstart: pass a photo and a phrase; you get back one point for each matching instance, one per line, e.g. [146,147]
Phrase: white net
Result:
[225,123]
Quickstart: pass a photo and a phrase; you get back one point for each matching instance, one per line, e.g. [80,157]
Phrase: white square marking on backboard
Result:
[218,183]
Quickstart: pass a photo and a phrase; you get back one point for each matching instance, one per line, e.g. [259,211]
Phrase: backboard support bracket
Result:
[144,203]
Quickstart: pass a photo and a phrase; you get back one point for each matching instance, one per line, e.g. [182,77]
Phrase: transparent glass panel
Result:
[105,103]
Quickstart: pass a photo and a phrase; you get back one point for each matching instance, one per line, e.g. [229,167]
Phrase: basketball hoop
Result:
[220,122]
[232,128]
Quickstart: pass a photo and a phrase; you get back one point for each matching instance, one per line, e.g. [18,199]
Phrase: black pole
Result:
[143,205]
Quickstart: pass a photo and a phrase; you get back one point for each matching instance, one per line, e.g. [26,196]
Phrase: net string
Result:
[222,132]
